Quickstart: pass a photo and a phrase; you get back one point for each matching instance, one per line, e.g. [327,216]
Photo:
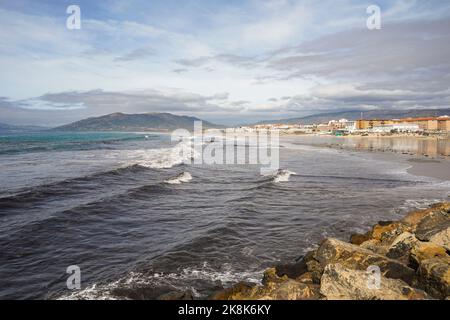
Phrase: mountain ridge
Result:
[119,121]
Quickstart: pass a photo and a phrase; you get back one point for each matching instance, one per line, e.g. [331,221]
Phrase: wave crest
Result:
[181,178]
[163,158]
[282,175]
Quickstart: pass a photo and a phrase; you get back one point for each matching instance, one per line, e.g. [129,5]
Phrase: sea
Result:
[139,222]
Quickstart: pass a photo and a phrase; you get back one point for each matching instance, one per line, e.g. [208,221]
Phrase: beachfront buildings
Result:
[342,124]
[379,126]
[430,124]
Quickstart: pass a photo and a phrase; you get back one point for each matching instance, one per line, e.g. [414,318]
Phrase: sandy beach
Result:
[439,169]
[424,156]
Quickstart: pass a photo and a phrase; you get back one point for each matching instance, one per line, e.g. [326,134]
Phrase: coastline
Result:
[434,163]
[411,256]
[430,168]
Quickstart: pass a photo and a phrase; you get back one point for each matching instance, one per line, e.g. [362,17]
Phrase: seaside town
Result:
[435,126]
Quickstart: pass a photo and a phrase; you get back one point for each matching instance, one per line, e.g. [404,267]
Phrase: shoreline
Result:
[437,170]
[435,166]
[411,256]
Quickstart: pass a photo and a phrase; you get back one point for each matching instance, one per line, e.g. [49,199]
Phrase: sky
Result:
[225,61]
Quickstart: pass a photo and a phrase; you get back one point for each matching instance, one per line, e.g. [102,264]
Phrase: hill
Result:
[135,122]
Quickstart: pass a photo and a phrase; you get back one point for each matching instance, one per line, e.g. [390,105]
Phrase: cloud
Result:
[417,49]
[137,54]
[270,58]
[350,96]
[180,70]
[232,59]
[70,106]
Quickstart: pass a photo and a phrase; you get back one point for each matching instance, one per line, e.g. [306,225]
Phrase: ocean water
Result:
[141,222]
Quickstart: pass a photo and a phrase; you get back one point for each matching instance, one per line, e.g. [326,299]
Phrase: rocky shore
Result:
[395,260]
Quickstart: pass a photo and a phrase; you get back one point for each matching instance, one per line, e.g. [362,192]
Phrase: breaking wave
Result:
[163,158]
[282,175]
[154,284]
[181,178]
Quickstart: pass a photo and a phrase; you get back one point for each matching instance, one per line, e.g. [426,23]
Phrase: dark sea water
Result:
[104,202]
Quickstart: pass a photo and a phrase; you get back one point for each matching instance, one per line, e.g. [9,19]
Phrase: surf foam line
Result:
[182,280]
[163,158]
[281,175]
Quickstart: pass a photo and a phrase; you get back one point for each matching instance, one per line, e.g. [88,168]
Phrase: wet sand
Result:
[425,157]
[438,169]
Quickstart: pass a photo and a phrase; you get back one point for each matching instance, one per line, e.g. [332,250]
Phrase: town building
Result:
[428,124]
[370,124]
[398,127]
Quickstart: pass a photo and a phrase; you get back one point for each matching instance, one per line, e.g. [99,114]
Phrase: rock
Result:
[358,238]
[236,292]
[353,257]
[285,290]
[307,277]
[423,251]
[414,218]
[273,288]
[442,238]
[177,295]
[375,246]
[387,231]
[412,255]
[143,292]
[401,247]
[339,283]
[434,276]
[270,275]
[294,270]
[432,224]
[315,269]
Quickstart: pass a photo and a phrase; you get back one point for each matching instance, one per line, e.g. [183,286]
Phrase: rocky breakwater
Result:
[395,260]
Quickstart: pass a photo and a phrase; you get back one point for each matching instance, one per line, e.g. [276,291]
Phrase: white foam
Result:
[282,175]
[415,204]
[226,276]
[181,178]
[163,158]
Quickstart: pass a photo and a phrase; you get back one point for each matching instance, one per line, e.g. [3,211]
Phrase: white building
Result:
[400,127]
[350,126]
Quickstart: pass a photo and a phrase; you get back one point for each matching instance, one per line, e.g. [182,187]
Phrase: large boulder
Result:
[339,283]
[273,288]
[295,270]
[414,218]
[375,246]
[237,292]
[434,276]
[276,288]
[316,270]
[424,251]
[358,238]
[286,290]
[442,238]
[333,251]
[401,247]
[432,224]
[387,231]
